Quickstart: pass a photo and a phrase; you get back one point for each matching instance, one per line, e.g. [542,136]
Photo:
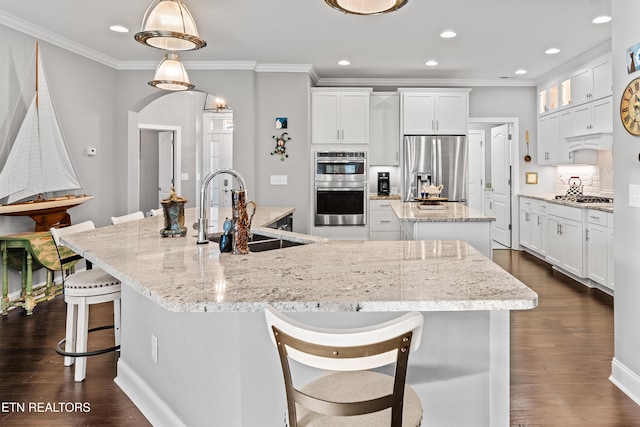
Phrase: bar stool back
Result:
[126,218]
[81,289]
[352,395]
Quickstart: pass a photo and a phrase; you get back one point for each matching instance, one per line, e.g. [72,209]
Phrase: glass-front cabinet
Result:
[554,95]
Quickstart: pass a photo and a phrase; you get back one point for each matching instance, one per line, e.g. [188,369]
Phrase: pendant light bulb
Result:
[168,25]
[366,7]
[171,74]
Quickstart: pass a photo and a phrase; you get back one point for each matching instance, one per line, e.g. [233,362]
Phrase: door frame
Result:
[515,166]
[134,144]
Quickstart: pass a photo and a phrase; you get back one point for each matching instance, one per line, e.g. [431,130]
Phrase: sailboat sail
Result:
[38,162]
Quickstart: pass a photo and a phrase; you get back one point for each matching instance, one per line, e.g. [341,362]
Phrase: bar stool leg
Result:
[81,343]
[70,337]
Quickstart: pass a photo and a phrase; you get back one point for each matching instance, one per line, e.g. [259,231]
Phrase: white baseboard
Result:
[626,380]
[145,399]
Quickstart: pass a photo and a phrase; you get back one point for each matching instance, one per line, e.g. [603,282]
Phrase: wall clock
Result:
[630,107]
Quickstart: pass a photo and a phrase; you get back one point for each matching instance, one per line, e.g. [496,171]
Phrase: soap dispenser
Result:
[226,238]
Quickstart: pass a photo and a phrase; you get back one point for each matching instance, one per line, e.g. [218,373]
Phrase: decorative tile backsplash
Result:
[596,179]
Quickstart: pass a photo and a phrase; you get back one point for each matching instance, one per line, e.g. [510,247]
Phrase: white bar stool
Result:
[82,289]
[126,218]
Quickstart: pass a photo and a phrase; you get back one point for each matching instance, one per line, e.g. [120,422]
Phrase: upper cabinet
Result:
[575,114]
[554,95]
[340,115]
[384,149]
[593,81]
[434,112]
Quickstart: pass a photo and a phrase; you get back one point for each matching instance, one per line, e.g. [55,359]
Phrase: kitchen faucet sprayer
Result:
[202,220]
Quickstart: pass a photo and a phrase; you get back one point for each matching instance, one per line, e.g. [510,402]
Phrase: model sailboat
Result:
[38,164]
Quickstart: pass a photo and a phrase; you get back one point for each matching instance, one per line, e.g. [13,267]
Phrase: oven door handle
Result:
[330,189]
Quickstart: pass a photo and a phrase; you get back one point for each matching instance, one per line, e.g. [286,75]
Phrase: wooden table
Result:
[27,252]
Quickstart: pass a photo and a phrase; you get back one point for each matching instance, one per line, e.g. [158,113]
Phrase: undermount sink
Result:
[260,242]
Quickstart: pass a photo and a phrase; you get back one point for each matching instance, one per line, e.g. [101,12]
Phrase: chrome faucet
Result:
[202,220]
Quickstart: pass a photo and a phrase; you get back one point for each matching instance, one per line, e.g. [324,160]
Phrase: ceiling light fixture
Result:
[431,63]
[601,19]
[168,25]
[521,71]
[447,34]
[119,28]
[344,62]
[552,51]
[366,7]
[171,75]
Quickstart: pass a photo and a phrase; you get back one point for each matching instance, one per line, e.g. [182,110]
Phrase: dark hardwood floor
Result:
[561,352]
[560,362]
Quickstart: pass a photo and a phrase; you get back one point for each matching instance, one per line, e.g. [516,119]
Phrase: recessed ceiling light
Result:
[119,29]
[601,19]
[521,71]
[431,63]
[447,34]
[552,51]
[344,62]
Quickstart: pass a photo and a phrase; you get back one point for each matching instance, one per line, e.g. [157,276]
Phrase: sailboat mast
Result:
[37,56]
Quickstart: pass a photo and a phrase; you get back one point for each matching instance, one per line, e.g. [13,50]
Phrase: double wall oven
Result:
[340,188]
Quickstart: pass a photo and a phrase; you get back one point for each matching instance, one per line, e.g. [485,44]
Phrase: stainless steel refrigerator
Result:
[435,160]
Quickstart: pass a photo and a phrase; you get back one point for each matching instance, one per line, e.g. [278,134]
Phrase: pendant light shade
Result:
[366,7]
[168,25]
[171,75]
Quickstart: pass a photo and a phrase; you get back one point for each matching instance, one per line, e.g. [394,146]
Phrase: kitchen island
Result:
[215,364]
[454,221]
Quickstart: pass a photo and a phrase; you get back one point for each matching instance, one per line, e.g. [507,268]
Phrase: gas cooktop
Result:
[584,199]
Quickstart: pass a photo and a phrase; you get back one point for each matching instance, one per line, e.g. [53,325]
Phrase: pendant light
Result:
[168,25]
[171,75]
[366,7]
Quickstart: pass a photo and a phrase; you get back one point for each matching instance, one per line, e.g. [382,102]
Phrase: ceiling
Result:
[495,37]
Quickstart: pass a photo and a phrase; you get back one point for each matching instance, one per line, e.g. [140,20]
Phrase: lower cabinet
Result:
[578,241]
[566,247]
[600,247]
[383,223]
[533,219]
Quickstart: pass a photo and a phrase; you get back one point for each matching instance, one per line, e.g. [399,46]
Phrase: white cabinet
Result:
[340,116]
[554,95]
[384,148]
[593,81]
[593,117]
[383,223]
[548,139]
[434,112]
[566,239]
[600,247]
[533,217]
[556,147]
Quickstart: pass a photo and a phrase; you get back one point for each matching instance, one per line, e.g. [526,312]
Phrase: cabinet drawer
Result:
[565,211]
[383,220]
[597,217]
[380,205]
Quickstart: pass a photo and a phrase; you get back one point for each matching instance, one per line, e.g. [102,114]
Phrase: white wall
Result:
[626,364]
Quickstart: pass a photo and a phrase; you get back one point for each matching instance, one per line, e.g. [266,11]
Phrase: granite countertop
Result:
[604,207]
[375,196]
[453,212]
[329,275]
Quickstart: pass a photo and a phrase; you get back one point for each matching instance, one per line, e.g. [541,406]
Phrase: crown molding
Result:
[54,39]
[283,68]
[417,82]
[580,60]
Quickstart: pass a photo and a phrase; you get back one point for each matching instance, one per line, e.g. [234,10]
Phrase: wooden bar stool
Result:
[351,395]
[82,289]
